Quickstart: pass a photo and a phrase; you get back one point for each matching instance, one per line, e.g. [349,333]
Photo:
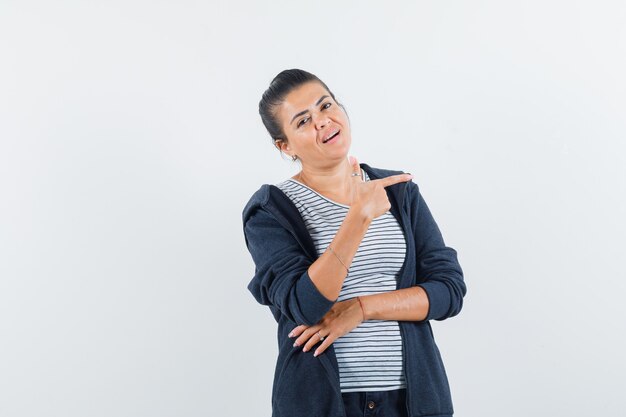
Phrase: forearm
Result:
[407,304]
[327,272]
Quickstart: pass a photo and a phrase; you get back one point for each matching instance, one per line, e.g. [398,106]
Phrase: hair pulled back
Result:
[285,82]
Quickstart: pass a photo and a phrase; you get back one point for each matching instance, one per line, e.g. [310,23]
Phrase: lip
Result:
[330,133]
[333,140]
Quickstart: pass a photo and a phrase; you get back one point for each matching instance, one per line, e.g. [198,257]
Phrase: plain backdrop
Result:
[130,142]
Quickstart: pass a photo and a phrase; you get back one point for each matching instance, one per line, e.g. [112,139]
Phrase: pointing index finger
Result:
[394,179]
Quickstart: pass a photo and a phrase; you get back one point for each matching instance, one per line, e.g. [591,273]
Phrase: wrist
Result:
[360,301]
[358,214]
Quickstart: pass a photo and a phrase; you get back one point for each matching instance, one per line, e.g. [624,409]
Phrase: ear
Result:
[282,146]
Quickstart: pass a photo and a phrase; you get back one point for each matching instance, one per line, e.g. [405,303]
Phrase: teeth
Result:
[331,135]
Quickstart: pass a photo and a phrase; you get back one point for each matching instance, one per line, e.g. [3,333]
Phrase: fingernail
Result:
[290,334]
[295,344]
[316,353]
[305,349]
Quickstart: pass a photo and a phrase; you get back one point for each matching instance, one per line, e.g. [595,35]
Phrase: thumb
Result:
[354,163]
[356,169]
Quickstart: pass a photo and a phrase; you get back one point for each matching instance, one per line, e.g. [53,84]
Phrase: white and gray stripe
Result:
[370,356]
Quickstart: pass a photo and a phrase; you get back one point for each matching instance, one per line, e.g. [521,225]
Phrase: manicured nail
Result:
[290,334]
[295,344]
[305,349]
[316,353]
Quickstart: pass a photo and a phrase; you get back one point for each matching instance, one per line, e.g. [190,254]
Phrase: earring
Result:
[293,158]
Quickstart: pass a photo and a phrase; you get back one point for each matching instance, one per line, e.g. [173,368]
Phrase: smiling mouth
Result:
[331,137]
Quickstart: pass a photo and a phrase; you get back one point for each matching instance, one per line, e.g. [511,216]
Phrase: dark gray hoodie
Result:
[283,250]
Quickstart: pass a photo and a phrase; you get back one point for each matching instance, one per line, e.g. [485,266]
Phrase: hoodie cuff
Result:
[438,299]
[313,304]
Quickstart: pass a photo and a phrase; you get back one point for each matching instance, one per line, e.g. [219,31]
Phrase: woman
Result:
[353,267]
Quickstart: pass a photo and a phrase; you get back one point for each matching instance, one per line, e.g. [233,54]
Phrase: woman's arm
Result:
[328,272]
[282,278]
[407,304]
[369,200]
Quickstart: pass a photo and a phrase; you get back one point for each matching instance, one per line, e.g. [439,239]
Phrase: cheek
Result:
[304,137]
[342,115]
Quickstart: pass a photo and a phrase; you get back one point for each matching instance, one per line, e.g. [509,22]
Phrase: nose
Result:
[322,122]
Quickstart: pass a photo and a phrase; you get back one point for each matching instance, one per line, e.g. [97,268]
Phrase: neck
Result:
[335,180]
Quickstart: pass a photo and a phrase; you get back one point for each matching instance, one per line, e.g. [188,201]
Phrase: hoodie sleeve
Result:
[438,270]
[281,271]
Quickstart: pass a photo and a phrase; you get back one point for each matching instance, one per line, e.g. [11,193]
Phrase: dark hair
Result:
[281,85]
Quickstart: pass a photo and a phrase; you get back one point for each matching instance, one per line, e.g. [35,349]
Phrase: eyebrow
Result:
[306,111]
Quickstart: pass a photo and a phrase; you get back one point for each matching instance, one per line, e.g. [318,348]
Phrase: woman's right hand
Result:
[369,198]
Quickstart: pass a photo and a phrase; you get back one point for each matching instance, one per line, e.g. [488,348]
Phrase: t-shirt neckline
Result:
[363,173]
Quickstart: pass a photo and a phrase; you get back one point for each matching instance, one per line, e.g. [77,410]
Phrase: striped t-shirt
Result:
[369,356]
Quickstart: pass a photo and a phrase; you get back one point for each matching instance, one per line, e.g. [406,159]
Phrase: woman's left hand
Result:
[340,319]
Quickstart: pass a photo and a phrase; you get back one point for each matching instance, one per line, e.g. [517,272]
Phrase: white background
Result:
[130,142]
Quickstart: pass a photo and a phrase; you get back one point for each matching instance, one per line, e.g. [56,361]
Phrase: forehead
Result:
[302,98]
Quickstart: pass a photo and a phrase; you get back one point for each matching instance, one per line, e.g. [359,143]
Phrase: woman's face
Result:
[309,116]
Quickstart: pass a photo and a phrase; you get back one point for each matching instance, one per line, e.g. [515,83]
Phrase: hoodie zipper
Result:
[404,226]
[406,376]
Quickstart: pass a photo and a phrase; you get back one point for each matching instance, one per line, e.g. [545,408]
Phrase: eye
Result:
[327,105]
[306,119]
